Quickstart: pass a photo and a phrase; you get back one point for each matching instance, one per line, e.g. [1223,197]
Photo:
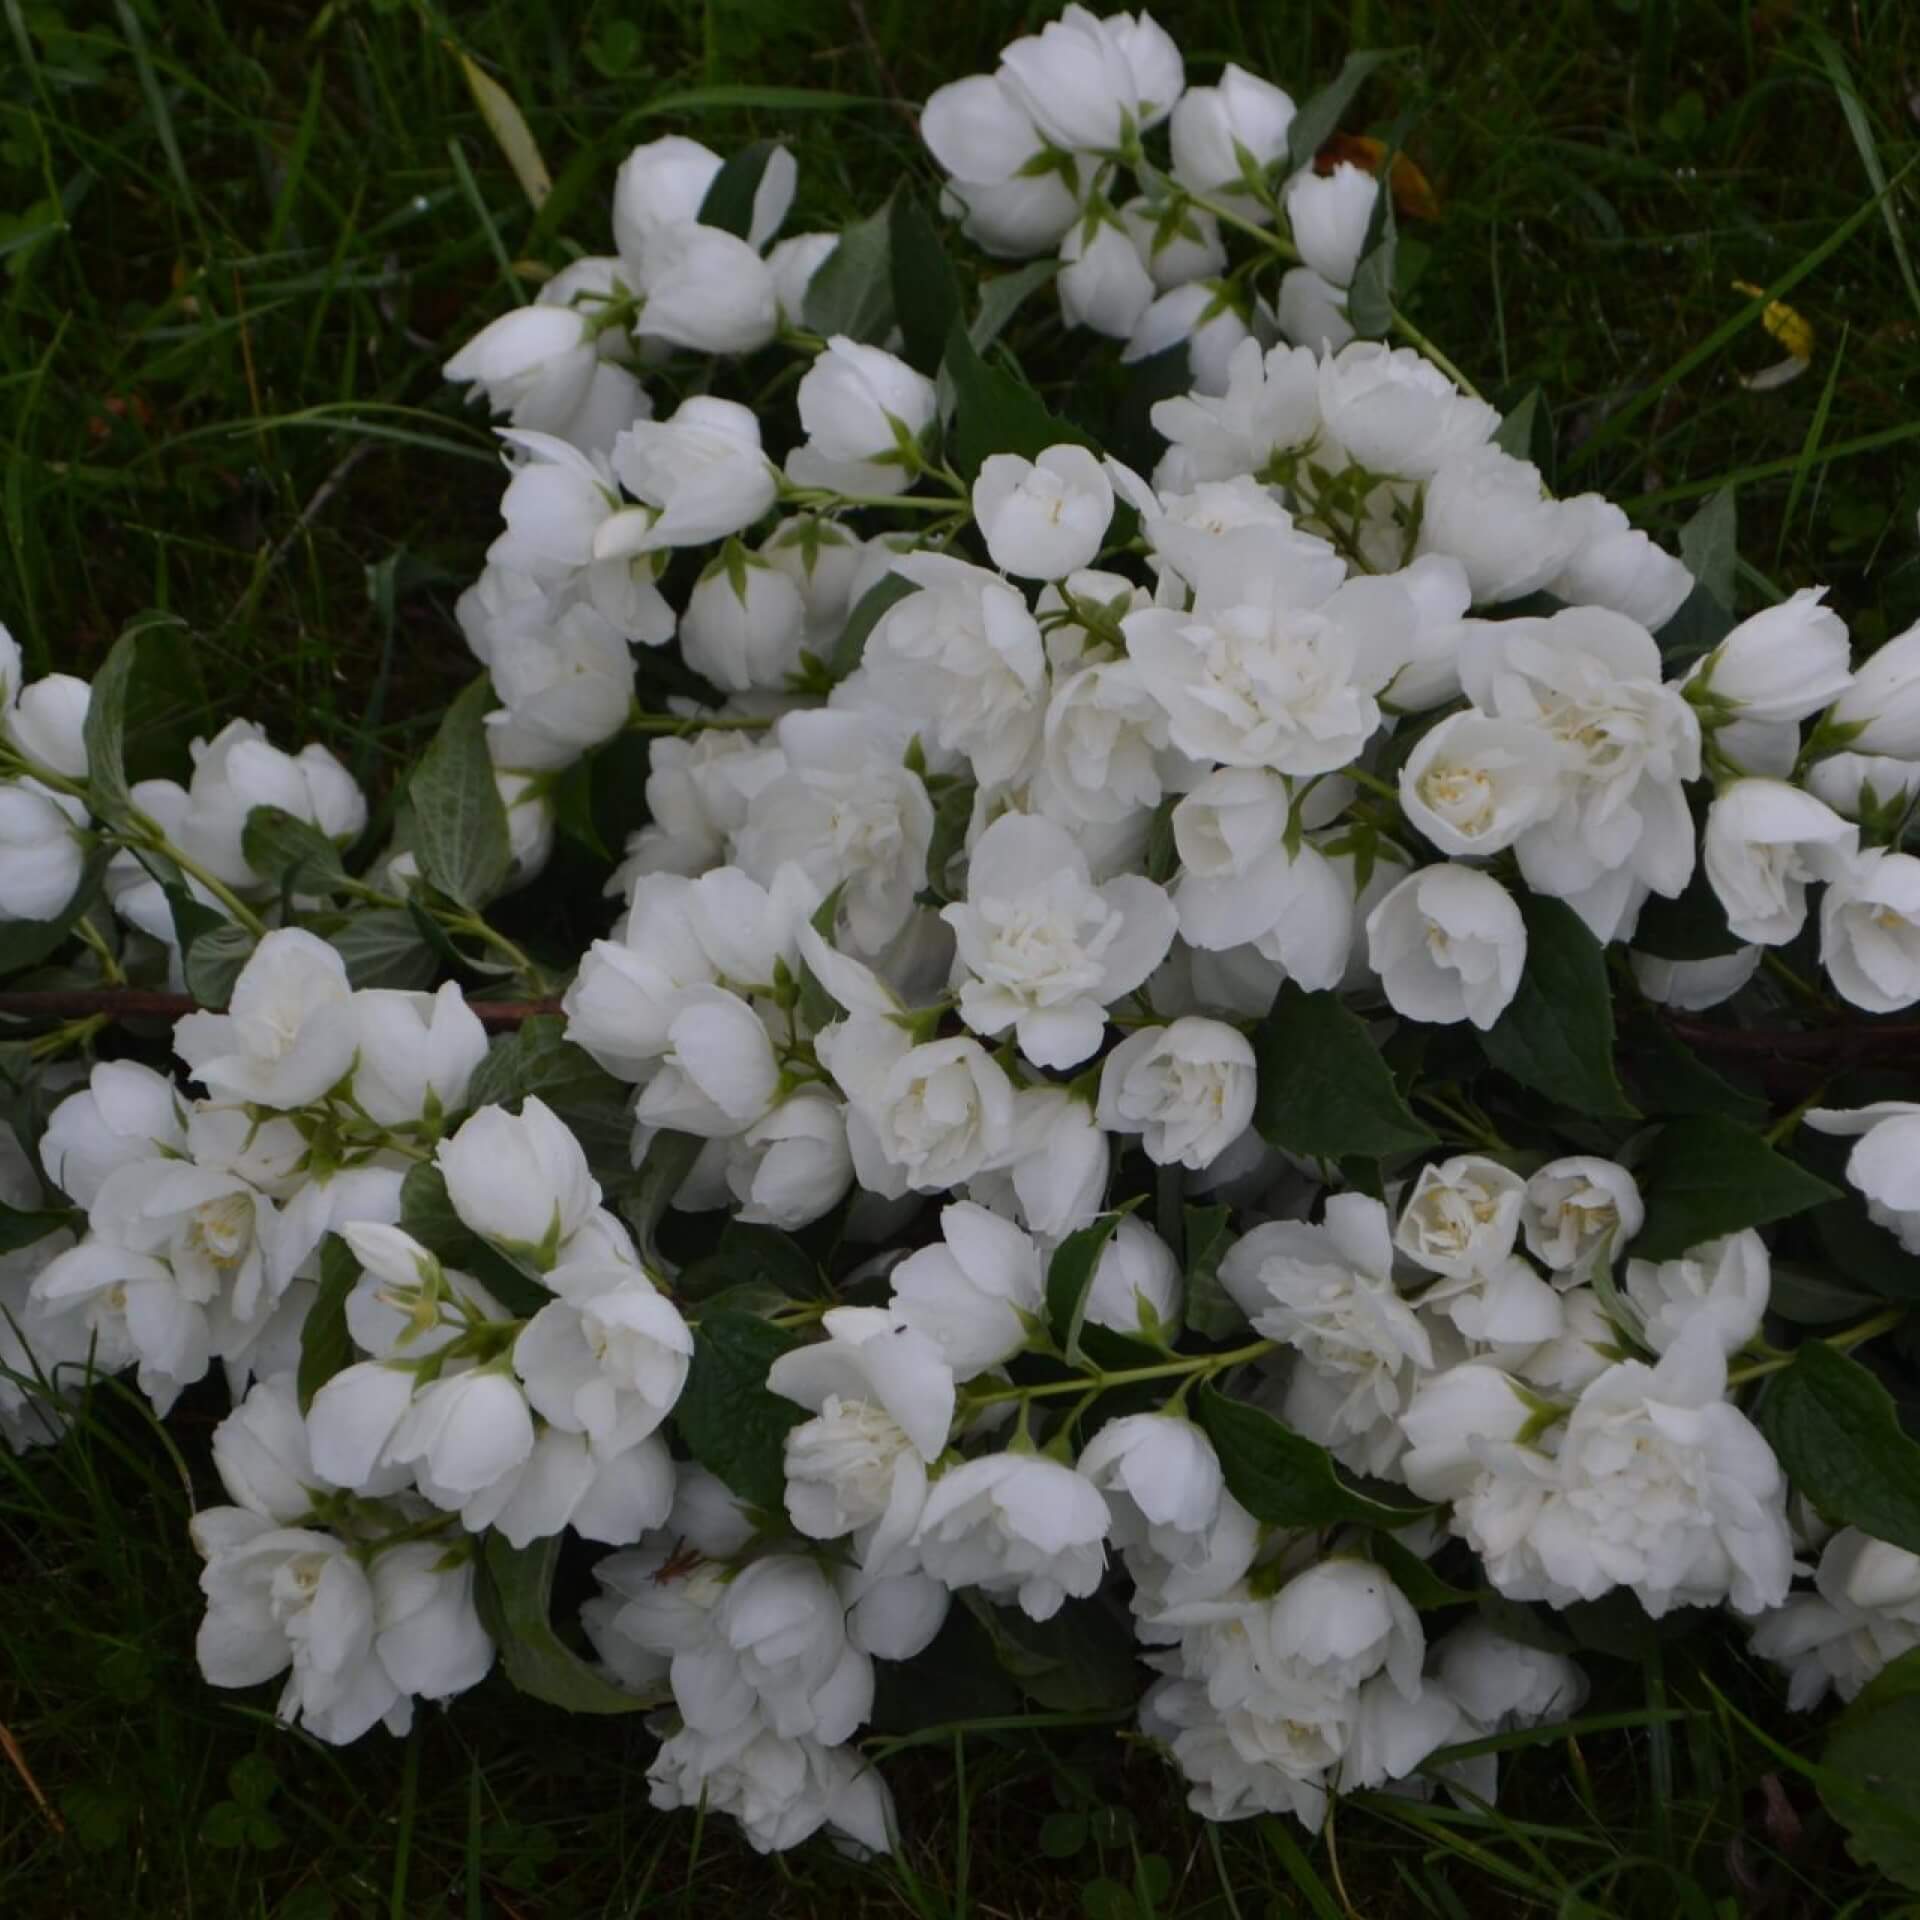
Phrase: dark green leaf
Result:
[729,201]
[1709,544]
[1669,1077]
[1370,298]
[1003,295]
[995,413]
[1210,1311]
[427,1213]
[731,1424]
[1870,1784]
[105,731]
[1841,1444]
[873,605]
[214,962]
[853,291]
[1691,927]
[1162,855]
[518,1601]
[384,949]
[670,1158]
[926,290]
[1069,1280]
[1520,424]
[1706,1176]
[1864,1252]
[459,821]
[1082,1660]
[1319,118]
[25,1226]
[750,1255]
[1323,1088]
[1281,1477]
[293,853]
[537,1059]
[958,1678]
[1416,1578]
[325,1344]
[1556,1035]
[25,943]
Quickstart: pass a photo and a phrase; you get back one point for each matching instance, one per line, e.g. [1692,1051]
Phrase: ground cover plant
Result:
[1227,1112]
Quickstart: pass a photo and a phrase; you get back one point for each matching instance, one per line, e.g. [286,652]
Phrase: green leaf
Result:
[1323,1088]
[25,943]
[995,413]
[1319,118]
[460,824]
[872,607]
[926,290]
[384,949]
[538,1059]
[27,1226]
[853,291]
[748,1256]
[1519,425]
[1370,297]
[214,962]
[1692,926]
[325,1344]
[1670,1078]
[1281,1477]
[517,1607]
[293,853]
[731,1424]
[1709,544]
[1082,1660]
[1556,1035]
[1706,1176]
[1864,1251]
[1870,1784]
[1003,296]
[1210,1310]
[670,1158]
[729,201]
[105,732]
[1841,1444]
[1070,1279]
[1416,1578]
[427,1213]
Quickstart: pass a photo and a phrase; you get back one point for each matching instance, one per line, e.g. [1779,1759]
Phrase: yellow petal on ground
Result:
[1787,324]
[509,128]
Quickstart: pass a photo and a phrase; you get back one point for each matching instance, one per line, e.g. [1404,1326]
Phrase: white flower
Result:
[1104,745]
[1784,663]
[791,265]
[351,1419]
[427,1632]
[744,625]
[240,769]
[873,1355]
[705,289]
[719,1074]
[1448,1417]
[920,1118]
[1313,313]
[1854,783]
[48,723]
[793,1164]
[520,1180]
[1393,412]
[658,184]
[1043,519]
[962,662]
[415,1052]
[563,692]
[1863,1614]
[126,1112]
[1252,678]
[1579,1211]
[1271,405]
[1204,315]
[858,404]
[287,1035]
[1187,1089]
[781,1791]
[1055,1173]
[566,1481]
[1089,83]
[1043,950]
[1213,126]
[1162,1481]
[1448,944]
[607,1358]
[1017,1526]
[280,1598]
[1880,711]
[1691,985]
[1103,282]
[1475,784]
[1614,565]
[977,129]
[1725,1284]
[851,1470]
[1764,842]
[534,363]
[1328,1292]
[701,474]
[1870,931]
[1462,1217]
[1329,214]
[974,1292]
[1885,1167]
[260,1452]
[1136,1286]
[1494,515]
[1504,1683]
[41,853]
[1177,242]
[465,1432]
[847,812]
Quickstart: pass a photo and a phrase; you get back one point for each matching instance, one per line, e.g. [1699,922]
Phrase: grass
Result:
[240,240]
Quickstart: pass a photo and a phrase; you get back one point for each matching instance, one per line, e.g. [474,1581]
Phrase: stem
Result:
[1881,1322]
[677,723]
[1102,1382]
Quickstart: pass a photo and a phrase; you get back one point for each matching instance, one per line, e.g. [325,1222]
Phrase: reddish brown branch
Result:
[142,1003]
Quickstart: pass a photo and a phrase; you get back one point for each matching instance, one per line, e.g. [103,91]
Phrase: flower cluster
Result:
[1097,1109]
